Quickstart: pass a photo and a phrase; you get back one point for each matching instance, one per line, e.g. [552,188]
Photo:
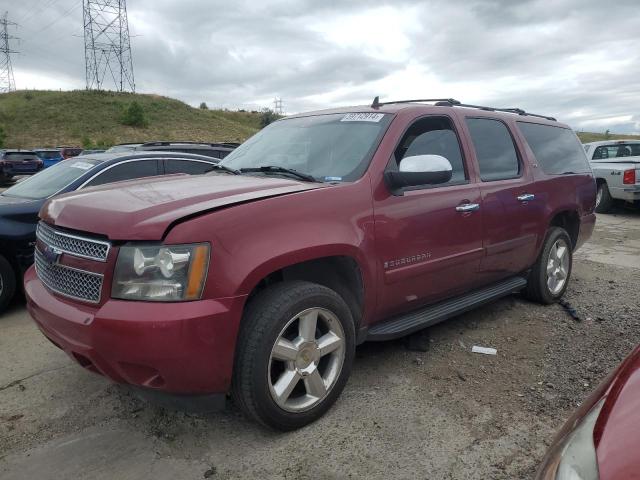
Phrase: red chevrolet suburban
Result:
[322,231]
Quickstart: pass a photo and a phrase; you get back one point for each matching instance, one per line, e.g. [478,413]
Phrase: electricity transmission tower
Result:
[7,82]
[277,106]
[106,45]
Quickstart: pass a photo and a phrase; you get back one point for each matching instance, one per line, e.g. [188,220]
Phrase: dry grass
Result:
[49,118]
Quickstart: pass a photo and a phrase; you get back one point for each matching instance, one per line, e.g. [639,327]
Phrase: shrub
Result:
[134,116]
[203,106]
[3,137]
[268,116]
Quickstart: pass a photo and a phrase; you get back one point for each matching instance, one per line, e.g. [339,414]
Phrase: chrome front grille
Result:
[73,244]
[68,281]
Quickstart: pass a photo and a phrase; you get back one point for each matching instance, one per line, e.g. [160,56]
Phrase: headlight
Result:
[574,457]
[161,273]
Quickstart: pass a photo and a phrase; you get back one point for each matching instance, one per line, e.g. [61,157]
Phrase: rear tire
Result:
[550,274]
[294,355]
[7,283]
[604,201]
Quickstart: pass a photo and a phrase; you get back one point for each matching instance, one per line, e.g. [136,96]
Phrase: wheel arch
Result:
[341,272]
[569,219]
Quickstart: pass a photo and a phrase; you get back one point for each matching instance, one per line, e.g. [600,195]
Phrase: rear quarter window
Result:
[557,150]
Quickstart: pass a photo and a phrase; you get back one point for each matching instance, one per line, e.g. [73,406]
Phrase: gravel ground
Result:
[443,414]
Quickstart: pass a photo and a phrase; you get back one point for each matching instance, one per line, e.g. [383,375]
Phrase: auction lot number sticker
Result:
[362,117]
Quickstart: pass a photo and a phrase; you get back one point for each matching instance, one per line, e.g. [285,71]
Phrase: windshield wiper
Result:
[276,169]
[224,168]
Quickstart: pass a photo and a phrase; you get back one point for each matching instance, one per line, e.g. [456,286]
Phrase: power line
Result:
[36,10]
[64,14]
[7,82]
[107,47]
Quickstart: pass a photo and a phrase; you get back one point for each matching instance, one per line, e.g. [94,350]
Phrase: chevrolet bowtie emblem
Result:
[51,255]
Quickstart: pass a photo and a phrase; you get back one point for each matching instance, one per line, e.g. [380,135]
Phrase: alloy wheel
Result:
[306,360]
[558,266]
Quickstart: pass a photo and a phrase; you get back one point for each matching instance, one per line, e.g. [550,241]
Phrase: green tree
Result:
[3,137]
[203,106]
[134,116]
[607,134]
[268,116]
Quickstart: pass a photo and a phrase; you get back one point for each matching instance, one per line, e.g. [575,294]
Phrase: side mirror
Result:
[419,170]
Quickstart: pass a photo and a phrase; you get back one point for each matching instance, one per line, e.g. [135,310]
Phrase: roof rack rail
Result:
[452,102]
[179,142]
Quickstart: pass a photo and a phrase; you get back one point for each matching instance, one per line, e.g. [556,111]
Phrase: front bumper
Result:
[181,348]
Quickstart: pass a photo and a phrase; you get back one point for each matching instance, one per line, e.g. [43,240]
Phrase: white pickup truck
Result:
[616,168]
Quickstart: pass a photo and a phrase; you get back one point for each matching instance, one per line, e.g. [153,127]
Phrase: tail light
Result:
[629,177]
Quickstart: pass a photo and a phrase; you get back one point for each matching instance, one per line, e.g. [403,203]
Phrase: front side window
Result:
[53,179]
[334,147]
[433,136]
[495,151]
[126,171]
[557,150]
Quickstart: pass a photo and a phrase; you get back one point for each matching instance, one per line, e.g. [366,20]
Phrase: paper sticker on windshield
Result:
[362,117]
[81,165]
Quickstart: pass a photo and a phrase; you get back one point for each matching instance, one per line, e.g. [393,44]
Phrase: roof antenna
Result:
[376,103]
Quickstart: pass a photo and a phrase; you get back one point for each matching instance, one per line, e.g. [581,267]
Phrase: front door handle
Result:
[526,197]
[468,207]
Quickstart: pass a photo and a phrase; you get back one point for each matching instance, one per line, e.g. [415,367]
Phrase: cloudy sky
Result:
[578,60]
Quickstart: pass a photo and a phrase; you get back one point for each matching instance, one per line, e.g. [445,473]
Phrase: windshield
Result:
[335,147]
[48,154]
[52,180]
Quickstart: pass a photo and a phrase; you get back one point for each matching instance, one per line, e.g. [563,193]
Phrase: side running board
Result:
[408,323]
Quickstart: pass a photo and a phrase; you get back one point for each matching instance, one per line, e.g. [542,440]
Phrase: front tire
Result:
[604,200]
[294,355]
[7,283]
[550,275]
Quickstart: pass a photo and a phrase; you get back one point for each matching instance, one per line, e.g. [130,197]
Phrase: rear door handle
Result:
[526,197]
[468,207]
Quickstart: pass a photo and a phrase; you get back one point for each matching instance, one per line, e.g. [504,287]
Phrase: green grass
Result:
[586,137]
[49,118]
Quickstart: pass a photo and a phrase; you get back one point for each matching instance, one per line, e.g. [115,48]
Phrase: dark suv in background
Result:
[19,162]
[214,150]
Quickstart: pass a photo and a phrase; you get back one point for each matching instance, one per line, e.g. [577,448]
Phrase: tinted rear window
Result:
[557,150]
[616,151]
[19,156]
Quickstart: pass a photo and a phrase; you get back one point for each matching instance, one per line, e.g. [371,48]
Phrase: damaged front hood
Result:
[146,209]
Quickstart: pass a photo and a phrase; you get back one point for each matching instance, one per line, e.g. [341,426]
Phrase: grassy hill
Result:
[49,118]
[586,137]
